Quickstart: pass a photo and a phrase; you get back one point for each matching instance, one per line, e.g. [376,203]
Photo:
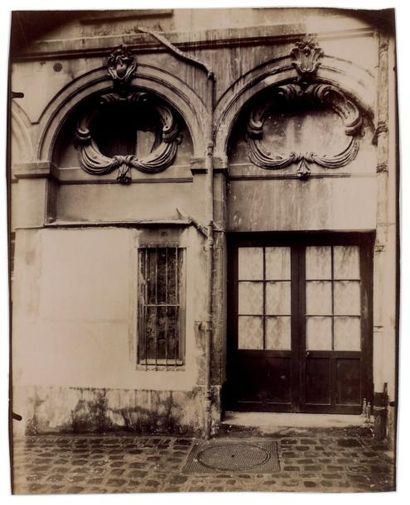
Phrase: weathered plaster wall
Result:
[75,323]
[317,204]
[114,202]
[70,409]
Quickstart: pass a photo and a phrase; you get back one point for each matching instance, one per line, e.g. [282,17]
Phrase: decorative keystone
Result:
[121,66]
[306,55]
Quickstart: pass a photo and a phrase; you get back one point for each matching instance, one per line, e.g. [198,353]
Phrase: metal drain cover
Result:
[214,456]
[233,456]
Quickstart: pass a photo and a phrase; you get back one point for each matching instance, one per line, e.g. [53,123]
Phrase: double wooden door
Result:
[299,320]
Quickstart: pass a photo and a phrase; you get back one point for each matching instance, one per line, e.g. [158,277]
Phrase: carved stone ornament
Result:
[324,95]
[306,57]
[121,66]
[161,157]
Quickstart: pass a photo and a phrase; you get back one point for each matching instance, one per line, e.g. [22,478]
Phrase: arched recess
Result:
[21,144]
[151,79]
[352,80]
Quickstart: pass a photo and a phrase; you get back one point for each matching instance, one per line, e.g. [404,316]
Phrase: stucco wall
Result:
[317,204]
[75,323]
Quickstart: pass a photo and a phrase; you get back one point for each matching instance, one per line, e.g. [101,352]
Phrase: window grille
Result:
[160,342]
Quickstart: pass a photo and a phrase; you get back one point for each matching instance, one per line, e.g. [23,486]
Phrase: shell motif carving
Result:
[306,57]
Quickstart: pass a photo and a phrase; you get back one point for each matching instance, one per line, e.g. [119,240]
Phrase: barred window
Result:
[161,307]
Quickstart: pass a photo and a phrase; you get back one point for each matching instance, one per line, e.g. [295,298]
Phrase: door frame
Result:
[298,240]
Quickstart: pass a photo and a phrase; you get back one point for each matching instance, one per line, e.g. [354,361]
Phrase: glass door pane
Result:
[264,298]
[333,298]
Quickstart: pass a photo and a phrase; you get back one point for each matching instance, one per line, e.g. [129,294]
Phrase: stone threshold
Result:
[272,422]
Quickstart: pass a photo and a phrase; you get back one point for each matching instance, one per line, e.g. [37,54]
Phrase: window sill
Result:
[161,366]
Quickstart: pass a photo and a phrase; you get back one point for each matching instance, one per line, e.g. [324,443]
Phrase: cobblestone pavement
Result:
[331,460]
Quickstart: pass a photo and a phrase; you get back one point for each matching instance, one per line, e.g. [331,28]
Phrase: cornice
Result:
[186,41]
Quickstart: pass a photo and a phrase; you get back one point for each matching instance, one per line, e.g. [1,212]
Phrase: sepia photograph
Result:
[204,250]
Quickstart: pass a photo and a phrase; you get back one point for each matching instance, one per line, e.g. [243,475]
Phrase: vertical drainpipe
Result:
[209,164]
[209,192]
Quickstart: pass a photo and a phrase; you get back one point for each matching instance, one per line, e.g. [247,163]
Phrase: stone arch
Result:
[21,143]
[353,80]
[168,87]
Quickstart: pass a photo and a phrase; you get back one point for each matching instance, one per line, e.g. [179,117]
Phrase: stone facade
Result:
[197,91]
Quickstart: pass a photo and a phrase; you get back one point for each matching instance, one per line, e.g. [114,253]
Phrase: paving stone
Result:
[35,487]
[348,442]
[312,468]
[380,468]
[74,489]
[327,483]
[137,473]
[96,480]
[178,479]
[152,483]
[309,483]
[117,464]
[117,471]
[313,460]
[80,462]
[331,475]
[137,464]
[35,477]
[55,478]
[116,482]
[370,454]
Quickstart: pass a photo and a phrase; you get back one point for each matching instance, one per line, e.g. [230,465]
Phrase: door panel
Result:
[317,381]
[255,387]
[299,321]
[348,381]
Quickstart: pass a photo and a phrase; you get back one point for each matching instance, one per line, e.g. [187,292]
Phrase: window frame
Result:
[162,364]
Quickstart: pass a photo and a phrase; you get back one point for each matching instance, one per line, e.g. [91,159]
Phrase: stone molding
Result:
[348,78]
[186,41]
[155,81]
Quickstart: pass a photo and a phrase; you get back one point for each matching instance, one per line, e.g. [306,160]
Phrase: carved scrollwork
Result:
[161,157]
[324,95]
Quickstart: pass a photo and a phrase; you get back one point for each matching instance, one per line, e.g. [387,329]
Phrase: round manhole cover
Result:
[233,456]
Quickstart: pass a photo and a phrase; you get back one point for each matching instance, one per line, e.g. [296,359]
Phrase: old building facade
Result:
[203,218]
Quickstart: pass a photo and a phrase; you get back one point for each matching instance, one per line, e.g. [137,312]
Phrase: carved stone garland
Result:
[306,55]
[121,67]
